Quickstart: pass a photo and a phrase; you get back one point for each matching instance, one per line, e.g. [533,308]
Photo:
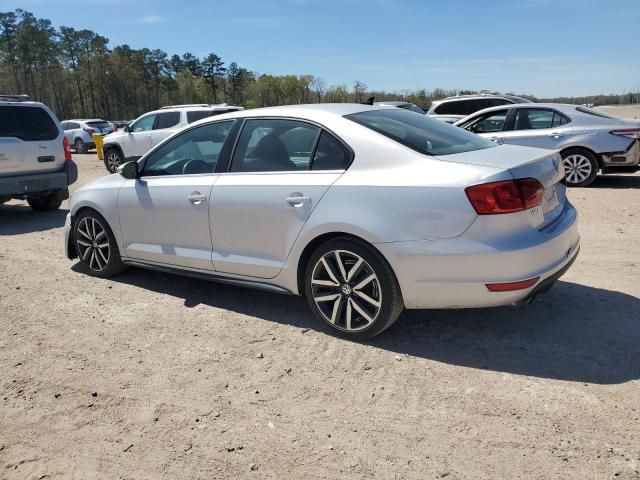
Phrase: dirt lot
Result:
[156,376]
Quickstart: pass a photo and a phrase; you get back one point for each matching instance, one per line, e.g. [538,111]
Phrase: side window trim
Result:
[224,165]
[143,161]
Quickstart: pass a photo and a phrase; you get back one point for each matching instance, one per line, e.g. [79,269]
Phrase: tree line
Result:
[79,75]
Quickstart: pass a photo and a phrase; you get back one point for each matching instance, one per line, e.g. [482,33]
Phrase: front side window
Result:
[533,118]
[27,123]
[419,132]
[167,120]
[144,124]
[274,145]
[192,152]
[487,123]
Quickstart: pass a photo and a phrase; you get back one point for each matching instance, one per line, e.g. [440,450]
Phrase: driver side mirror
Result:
[126,129]
[129,170]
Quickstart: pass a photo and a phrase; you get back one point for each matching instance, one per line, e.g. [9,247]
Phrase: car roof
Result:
[313,112]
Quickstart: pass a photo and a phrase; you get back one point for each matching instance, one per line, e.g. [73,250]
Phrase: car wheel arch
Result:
[314,243]
[91,208]
[597,156]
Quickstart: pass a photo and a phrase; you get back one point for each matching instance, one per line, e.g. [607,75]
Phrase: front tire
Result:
[580,166]
[351,287]
[96,245]
[45,204]
[80,146]
[113,159]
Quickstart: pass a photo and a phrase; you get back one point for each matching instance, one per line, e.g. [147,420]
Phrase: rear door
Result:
[537,127]
[30,140]
[279,172]
[165,125]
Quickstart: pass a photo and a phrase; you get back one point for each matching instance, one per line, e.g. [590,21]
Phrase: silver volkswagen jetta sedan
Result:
[588,140]
[364,210]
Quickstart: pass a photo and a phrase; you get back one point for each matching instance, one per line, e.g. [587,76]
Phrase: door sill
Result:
[205,275]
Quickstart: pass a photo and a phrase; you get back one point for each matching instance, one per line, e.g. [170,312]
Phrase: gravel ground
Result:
[150,375]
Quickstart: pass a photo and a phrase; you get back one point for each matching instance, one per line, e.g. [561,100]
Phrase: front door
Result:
[139,140]
[260,206]
[164,214]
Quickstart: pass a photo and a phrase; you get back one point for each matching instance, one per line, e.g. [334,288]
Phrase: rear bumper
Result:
[628,158]
[454,273]
[26,185]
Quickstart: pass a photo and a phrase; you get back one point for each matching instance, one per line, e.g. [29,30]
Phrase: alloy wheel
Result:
[577,168]
[346,290]
[93,244]
[113,161]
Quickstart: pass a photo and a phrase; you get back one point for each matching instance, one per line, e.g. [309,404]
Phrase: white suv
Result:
[150,129]
[35,159]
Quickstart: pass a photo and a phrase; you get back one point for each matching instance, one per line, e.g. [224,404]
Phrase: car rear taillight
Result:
[67,150]
[627,132]
[89,130]
[507,196]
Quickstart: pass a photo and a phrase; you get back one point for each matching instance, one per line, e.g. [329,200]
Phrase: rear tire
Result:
[45,204]
[80,146]
[351,287]
[580,166]
[113,159]
[96,245]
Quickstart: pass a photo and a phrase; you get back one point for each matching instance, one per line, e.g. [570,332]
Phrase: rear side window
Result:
[330,154]
[27,123]
[196,115]
[467,107]
[447,108]
[419,132]
[533,119]
[166,120]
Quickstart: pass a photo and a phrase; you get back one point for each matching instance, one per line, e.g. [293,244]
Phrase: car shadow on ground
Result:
[19,219]
[574,332]
[616,181]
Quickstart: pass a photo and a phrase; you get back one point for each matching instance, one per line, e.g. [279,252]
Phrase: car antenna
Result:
[368,101]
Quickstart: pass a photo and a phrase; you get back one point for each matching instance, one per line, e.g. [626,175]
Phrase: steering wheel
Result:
[195,166]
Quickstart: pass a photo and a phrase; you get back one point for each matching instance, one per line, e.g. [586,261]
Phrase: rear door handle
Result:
[296,201]
[196,198]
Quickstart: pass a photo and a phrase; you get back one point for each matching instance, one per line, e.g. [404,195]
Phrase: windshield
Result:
[595,113]
[99,124]
[419,132]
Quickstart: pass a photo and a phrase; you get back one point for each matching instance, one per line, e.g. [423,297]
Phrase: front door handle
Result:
[496,139]
[297,201]
[556,134]
[196,198]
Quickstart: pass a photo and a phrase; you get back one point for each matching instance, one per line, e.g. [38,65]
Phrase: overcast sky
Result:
[540,47]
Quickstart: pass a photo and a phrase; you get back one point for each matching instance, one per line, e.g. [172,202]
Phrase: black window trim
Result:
[142,162]
[227,168]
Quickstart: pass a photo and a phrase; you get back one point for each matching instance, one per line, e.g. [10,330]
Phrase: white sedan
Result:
[364,210]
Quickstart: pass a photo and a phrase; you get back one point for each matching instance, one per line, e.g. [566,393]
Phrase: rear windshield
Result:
[27,123]
[100,124]
[595,113]
[419,132]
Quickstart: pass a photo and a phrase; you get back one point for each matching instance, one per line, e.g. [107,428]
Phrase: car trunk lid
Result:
[525,162]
